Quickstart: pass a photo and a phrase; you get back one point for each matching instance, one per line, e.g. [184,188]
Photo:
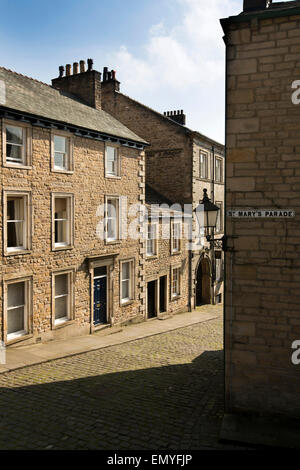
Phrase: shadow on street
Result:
[171,407]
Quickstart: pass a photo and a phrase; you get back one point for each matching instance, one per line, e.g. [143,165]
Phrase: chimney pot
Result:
[105,74]
[113,74]
[61,71]
[82,66]
[68,69]
[75,68]
[90,64]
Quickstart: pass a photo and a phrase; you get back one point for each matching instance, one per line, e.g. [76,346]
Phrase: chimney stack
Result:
[252,5]
[86,85]
[109,81]
[176,116]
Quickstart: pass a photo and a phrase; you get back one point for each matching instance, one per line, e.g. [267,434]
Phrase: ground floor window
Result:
[17,308]
[127,281]
[175,287]
[63,305]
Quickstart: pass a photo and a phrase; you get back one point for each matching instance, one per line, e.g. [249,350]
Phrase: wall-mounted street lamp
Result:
[207,214]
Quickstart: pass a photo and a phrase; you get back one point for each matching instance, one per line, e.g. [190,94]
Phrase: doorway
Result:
[151,299]
[203,291]
[100,296]
[162,294]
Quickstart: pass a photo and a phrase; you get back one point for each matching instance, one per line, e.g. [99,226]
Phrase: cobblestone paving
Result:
[161,392]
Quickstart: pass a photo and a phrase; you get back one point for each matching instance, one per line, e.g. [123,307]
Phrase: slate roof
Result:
[39,99]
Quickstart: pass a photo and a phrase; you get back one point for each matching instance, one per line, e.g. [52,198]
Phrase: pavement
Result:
[152,386]
[22,356]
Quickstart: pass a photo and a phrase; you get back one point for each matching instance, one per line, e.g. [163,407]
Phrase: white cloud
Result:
[184,67]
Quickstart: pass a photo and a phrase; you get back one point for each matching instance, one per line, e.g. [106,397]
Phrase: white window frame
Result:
[70,300]
[153,226]
[219,224]
[117,172]
[25,163]
[176,242]
[27,222]
[69,153]
[22,334]
[131,280]
[218,266]
[70,218]
[220,160]
[116,200]
[201,165]
[175,295]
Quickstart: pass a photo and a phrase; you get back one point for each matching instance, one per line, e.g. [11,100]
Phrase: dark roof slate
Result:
[39,99]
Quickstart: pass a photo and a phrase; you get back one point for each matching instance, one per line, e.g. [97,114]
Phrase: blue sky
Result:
[168,54]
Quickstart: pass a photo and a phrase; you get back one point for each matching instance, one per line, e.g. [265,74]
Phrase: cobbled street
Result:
[158,393]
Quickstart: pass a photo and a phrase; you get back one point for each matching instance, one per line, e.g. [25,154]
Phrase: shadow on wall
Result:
[171,407]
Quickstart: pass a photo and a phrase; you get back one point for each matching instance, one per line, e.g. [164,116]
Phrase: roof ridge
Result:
[26,76]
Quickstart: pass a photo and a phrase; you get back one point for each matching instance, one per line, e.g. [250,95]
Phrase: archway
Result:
[203,290]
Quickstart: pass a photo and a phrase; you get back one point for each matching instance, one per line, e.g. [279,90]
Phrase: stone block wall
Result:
[262,171]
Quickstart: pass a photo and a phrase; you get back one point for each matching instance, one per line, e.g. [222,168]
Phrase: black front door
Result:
[100,300]
[151,291]
[162,294]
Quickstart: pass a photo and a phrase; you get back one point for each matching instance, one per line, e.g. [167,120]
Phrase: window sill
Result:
[19,338]
[174,253]
[149,257]
[18,166]
[112,242]
[128,302]
[175,297]
[64,172]
[63,324]
[17,252]
[61,248]
[114,177]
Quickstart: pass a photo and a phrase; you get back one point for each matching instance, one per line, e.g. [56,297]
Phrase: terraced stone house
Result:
[68,169]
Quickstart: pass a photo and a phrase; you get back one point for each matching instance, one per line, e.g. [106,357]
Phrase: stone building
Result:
[68,171]
[180,163]
[167,266]
[262,302]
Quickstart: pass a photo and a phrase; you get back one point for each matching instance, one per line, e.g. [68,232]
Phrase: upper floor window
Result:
[16,144]
[176,236]
[17,227]
[151,239]
[112,161]
[219,170]
[62,158]
[112,219]
[62,221]
[219,225]
[203,170]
